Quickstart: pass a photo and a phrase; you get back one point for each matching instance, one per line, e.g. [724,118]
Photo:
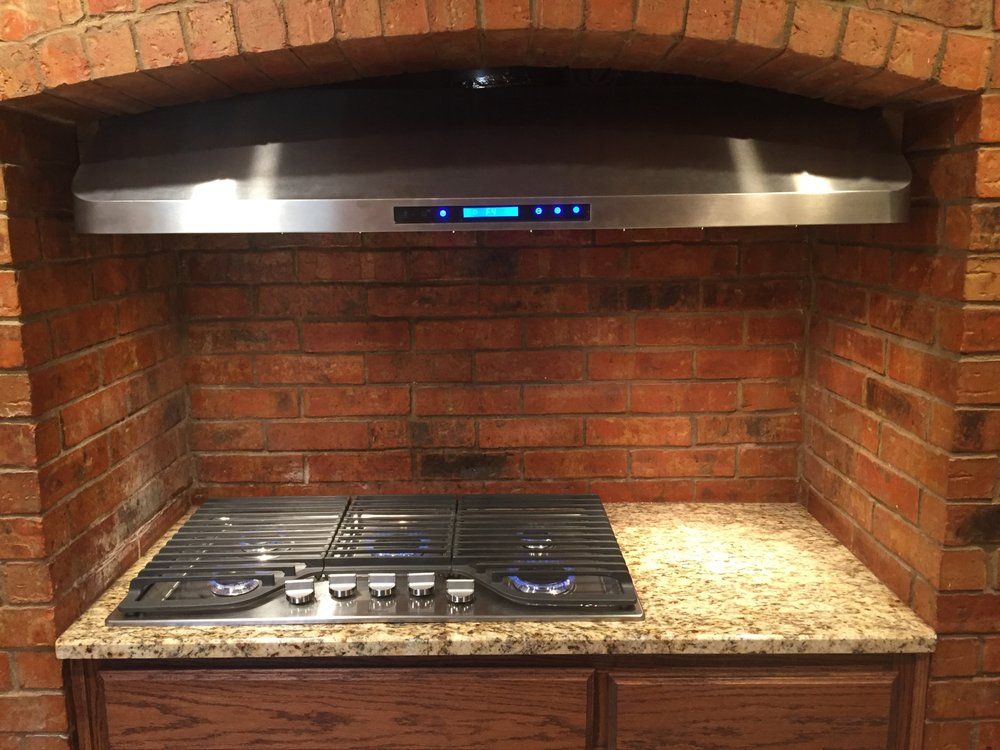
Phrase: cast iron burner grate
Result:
[391,530]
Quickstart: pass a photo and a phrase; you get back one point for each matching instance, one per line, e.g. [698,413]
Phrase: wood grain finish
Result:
[790,709]
[348,709]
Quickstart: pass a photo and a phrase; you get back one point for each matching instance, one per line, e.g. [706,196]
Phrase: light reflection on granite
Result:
[713,579]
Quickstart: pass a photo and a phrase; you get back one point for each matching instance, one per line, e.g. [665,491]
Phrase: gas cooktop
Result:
[401,558]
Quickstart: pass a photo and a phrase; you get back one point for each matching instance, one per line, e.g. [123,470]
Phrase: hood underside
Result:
[366,160]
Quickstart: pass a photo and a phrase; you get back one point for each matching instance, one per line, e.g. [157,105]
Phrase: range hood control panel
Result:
[514,213]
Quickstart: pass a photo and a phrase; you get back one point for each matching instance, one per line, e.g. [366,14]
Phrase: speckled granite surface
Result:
[713,579]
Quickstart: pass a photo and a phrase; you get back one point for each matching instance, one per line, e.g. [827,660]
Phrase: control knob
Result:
[460,590]
[342,585]
[301,591]
[381,585]
[420,584]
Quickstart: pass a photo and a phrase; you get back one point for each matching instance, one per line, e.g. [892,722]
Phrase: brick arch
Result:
[112,56]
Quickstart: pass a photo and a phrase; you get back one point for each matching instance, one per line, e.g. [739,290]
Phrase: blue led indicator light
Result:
[576,209]
[557,210]
[538,210]
[443,213]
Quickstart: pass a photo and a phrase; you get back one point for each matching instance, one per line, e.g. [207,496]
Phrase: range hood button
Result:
[381,585]
[342,585]
[461,590]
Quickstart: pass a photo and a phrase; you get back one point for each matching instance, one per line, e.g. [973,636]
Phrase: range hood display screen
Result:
[472,214]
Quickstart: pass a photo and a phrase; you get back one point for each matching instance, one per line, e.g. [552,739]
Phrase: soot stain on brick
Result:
[883,400]
[970,429]
[463,465]
[494,264]
[981,527]
[639,297]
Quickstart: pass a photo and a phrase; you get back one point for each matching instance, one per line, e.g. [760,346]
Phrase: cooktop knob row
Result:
[380,586]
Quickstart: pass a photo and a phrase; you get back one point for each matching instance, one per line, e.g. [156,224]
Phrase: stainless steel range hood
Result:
[359,160]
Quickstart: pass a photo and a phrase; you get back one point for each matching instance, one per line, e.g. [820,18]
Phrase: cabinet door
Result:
[750,709]
[348,709]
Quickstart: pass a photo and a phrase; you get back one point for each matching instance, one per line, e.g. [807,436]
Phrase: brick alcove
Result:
[853,369]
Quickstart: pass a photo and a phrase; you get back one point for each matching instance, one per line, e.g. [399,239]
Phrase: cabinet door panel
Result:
[776,710]
[348,709]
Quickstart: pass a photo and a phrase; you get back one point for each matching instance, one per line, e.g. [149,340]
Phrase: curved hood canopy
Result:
[360,160]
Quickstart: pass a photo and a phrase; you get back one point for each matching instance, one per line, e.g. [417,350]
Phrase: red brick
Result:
[921,370]
[886,485]
[296,369]
[229,403]
[467,334]
[608,15]
[964,699]
[217,302]
[360,467]
[530,366]
[758,428]
[523,433]
[463,400]
[640,365]
[441,433]
[317,436]
[684,463]
[111,50]
[211,33]
[226,436]
[93,414]
[82,328]
[963,570]
[576,464]
[38,670]
[683,397]
[250,468]
[336,402]
[346,337]
[689,330]
[17,445]
[160,41]
[406,367]
[966,61]
[219,370]
[754,363]
[27,712]
[897,405]
[768,396]
[62,59]
[639,431]
[745,490]
[768,462]
[575,398]
[968,613]
[27,627]
[261,27]
[577,332]
[61,382]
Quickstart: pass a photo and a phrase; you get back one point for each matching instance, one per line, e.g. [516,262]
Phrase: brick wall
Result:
[92,418]
[902,429]
[662,370]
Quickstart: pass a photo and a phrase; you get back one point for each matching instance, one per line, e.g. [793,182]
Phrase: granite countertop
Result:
[713,579]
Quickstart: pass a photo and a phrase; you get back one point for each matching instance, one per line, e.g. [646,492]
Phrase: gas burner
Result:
[233,588]
[541,584]
[537,541]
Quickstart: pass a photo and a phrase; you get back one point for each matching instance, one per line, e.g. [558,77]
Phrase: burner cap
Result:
[543,584]
[233,588]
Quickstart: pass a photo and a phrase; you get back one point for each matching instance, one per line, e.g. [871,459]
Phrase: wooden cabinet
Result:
[347,709]
[791,709]
[516,703]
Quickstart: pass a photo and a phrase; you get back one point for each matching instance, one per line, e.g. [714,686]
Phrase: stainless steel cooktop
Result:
[403,558]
